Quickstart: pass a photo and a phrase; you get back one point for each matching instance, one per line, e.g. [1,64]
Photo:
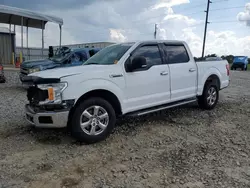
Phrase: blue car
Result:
[65,58]
[240,62]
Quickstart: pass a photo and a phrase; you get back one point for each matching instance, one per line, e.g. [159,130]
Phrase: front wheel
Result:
[93,120]
[210,97]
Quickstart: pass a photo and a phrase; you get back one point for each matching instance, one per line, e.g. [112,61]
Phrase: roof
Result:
[33,19]
[84,49]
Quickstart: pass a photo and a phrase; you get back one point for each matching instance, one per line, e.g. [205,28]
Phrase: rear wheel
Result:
[210,97]
[93,120]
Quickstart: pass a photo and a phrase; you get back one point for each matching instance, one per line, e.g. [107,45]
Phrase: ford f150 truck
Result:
[127,79]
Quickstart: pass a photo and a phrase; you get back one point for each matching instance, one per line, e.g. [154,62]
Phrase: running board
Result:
[161,107]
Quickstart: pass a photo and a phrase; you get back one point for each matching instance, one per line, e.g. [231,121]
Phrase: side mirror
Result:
[137,63]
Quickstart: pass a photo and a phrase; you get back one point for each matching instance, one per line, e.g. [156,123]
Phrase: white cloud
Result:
[180,18]
[245,16]
[128,20]
[227,42]
[220,43]
[169,3]
[117,36]
[194,41]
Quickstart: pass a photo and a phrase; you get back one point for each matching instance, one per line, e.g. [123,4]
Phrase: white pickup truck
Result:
[127,79]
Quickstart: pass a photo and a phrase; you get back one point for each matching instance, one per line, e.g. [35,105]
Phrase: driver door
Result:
[149,85]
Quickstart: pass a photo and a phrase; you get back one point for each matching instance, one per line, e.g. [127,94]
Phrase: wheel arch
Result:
[214,79]
[102,93]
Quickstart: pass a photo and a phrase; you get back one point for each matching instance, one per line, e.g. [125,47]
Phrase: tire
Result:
[84,112]
[2,80]
[246,68]
[203,100]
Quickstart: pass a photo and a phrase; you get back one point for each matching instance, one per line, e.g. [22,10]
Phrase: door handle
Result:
[191,70]
[115,75]
[164,73]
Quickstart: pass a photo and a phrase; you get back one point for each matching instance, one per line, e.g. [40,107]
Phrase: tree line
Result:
[229,58]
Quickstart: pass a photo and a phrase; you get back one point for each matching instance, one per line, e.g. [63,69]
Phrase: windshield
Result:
[109,55]
[240,58]
[60,55]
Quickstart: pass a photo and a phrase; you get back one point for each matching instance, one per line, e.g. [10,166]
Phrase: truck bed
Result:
[206,68]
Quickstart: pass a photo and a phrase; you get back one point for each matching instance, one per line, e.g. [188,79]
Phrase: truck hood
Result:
[69,71]
[36,63]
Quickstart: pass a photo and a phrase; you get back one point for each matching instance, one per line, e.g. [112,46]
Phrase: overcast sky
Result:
[129,20]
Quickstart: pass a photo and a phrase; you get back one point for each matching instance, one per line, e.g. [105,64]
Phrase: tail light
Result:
[1,67]
[228,69]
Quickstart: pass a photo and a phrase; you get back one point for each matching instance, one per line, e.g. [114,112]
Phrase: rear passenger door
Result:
[147,86]
[183,71]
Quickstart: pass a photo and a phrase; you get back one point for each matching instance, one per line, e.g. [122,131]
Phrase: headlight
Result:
[34,70]
[54,92]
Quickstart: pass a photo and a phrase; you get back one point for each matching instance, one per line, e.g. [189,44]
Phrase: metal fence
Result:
[87,45]
[32,53]
[36,53]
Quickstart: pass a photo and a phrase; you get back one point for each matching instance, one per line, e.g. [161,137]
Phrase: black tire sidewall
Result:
[76,129]
[205,95]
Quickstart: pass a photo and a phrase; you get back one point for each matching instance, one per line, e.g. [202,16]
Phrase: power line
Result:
[220,1]
[229,8]
[226,21]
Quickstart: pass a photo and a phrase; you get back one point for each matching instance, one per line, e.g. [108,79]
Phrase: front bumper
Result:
[24,77]
[50,119]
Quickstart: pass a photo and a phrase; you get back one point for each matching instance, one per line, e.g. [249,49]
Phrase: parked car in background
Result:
[66,58]
[128,79]
[2,77]
[240,62]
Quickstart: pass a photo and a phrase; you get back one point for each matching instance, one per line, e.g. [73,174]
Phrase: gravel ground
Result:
[182,147]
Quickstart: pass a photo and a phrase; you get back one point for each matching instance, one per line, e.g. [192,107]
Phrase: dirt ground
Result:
[181,147]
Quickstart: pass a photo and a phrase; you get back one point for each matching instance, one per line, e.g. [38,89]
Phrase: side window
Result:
[91,53]
[151,53]
[176,54]
[76,57]
[83,56]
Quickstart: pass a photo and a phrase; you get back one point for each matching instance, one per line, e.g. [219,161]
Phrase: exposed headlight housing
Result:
[34,70]
[54,92]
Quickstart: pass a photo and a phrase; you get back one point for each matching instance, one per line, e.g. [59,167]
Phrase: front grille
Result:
[24,71]
[35,95]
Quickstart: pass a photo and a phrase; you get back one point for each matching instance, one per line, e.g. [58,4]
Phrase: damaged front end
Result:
[46,106]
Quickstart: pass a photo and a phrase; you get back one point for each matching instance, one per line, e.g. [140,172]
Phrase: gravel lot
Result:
[182,147]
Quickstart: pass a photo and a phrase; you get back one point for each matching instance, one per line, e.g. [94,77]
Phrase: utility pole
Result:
[205,31]
[155,31]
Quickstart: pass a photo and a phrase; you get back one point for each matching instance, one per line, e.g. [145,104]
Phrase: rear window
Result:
[240,58]
[176,54]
